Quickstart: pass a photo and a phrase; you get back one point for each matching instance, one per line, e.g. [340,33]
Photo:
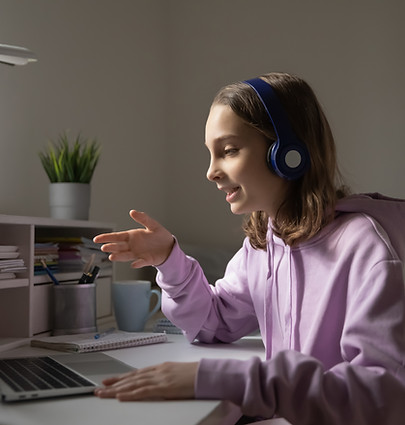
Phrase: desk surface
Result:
[92,410]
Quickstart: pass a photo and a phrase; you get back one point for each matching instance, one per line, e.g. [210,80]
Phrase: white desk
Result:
[92,410]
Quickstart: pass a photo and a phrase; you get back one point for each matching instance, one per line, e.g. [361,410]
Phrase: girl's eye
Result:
[230,151]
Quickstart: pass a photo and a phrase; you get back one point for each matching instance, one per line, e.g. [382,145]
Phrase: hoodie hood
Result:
[389,213]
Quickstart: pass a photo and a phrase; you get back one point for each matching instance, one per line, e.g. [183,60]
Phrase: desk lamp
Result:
[14,55]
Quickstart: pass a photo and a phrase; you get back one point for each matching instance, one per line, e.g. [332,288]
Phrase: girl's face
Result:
[238,164]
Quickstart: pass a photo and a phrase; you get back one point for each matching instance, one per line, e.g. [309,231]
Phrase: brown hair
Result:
[310,201]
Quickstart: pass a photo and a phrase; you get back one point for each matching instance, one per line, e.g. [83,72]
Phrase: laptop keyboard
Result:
[29,374]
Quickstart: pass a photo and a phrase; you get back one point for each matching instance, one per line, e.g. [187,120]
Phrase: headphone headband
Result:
[288,156]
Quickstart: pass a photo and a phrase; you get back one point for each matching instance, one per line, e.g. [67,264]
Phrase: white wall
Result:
[140,75]
[351,52]
[101,71]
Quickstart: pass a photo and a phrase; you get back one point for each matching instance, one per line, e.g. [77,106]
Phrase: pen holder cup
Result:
[74,309]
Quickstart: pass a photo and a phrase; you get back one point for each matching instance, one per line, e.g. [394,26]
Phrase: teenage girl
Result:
[320,273]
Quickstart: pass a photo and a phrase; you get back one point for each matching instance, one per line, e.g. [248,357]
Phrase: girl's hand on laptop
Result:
[148,246]
[167,381]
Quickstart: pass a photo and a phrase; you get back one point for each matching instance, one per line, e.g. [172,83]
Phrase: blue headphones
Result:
[287,156]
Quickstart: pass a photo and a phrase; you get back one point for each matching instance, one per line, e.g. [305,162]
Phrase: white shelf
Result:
[11,343]
[14,283]
[52,222]
[26,301]
[65,277]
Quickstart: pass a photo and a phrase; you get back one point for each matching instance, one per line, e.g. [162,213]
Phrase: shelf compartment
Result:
[14,283]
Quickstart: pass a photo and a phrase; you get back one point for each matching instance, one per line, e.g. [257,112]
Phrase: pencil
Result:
[50,274]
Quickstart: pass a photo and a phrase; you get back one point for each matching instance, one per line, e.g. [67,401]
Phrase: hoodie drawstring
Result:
[290,317]
[269,293]
[292,305]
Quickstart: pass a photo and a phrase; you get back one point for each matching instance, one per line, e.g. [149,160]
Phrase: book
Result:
[6,275]
[10,263]
[82,343]
[166,326]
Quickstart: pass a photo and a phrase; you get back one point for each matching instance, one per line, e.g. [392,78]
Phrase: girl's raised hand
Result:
[148,246]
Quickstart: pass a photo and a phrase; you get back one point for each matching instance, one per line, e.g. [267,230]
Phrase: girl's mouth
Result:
[231,194]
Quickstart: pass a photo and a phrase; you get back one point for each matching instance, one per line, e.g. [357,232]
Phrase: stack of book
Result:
[66,255]
[49,252]
[10,263]
[88,249]
[69,255]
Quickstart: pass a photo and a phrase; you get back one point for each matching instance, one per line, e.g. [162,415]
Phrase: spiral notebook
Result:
[82,343]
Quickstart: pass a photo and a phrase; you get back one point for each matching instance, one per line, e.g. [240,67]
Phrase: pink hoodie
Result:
[331,313]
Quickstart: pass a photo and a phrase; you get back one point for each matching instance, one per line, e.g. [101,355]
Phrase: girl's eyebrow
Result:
[224,138]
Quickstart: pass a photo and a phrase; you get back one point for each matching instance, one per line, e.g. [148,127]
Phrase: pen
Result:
[50,274]
[105,333]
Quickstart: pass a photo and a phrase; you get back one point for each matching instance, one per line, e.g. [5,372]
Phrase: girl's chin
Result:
[237,210]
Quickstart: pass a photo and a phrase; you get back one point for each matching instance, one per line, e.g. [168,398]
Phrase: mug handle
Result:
[157,305]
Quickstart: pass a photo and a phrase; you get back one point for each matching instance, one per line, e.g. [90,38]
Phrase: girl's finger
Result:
[111,237]
[115,247]
[143,218]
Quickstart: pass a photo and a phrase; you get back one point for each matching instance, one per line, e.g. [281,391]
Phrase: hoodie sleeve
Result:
[298,388]
[203,311]
[366,388]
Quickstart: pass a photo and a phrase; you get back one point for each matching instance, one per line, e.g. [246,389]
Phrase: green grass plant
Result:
[70,162]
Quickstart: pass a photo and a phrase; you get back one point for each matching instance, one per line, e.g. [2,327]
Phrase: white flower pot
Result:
[69,201]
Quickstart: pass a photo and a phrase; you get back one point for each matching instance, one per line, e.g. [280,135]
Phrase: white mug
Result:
[131,300]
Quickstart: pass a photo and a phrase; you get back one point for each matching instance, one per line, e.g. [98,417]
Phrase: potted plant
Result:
[70,168]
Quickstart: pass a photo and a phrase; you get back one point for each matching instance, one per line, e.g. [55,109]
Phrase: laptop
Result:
[27,378]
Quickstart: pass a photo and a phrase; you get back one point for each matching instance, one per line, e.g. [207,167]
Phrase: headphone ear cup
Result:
[288,157]
[289,162]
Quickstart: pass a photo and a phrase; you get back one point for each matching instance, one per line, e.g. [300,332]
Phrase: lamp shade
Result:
[14,55]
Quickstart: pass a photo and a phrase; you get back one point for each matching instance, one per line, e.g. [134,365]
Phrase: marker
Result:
[50,274]
[93,275]
[105,333]
[90,277]
[86,272]
[84,278]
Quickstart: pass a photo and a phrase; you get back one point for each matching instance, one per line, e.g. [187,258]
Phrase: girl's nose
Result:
[213,172]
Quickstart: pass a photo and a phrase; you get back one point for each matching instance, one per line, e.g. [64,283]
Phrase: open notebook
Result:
[87,342]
